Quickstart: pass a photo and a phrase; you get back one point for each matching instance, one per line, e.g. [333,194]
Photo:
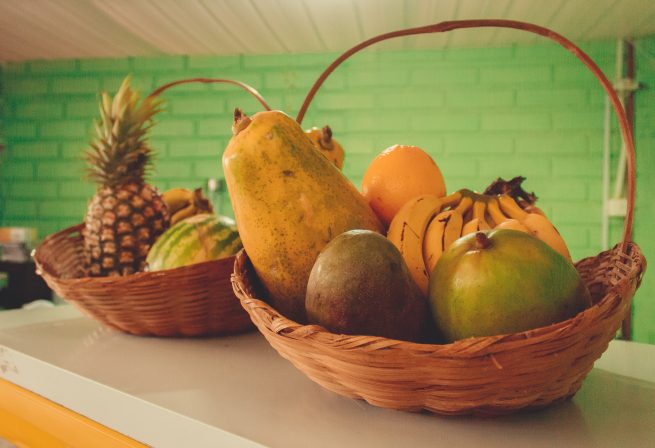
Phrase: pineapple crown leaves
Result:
[120,152]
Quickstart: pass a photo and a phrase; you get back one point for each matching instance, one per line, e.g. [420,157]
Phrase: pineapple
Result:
[126,214]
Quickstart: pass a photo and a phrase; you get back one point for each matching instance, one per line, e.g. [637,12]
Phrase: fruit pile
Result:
[402,259]
[426,226]
[128,222]
[130,226]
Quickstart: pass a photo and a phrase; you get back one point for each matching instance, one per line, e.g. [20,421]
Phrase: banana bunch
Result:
[536,223]
[183,203]
[426,226]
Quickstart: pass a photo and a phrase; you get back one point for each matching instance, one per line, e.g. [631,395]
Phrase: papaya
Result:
[327,145]
[289,201]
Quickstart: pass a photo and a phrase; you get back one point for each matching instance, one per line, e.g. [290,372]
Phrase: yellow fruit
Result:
[479,213]
[538,225]
[407,232]
[177,198]
[289,201]
[444,230]
[471,227]
[328,146]
[183,203]
[512,224]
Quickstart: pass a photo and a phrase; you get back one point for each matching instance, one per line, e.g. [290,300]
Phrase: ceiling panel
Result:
[243,20]
[568,17]
[382,16]
[54,29]
[291,22]
[150,23]
[58,29]
[624,19]
[468,9]
[335,22]
[430,12]
[525,10]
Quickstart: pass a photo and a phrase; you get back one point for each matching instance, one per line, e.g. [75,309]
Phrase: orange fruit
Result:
[398,174]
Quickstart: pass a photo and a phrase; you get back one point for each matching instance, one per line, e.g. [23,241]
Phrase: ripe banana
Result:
[478,221]
[501,221]
[479,210]
[537,224]
[471,226]
[512,224]
[444,229]
[452,199]
[177,198]
[408,230]
[511,208]
[186,212]
[530,208]
[183,203]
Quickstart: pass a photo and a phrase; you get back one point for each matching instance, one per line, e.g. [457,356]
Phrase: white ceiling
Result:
[56,29]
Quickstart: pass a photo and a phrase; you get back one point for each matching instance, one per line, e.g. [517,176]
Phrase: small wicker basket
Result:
[194,300]
[486,375]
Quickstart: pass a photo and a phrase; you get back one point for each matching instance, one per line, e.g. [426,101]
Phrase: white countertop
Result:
[237,391]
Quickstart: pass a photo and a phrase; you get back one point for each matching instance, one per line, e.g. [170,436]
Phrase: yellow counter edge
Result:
[29,420]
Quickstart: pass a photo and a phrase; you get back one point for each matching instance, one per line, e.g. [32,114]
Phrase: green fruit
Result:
[360,284]
[193,240]
[501,282]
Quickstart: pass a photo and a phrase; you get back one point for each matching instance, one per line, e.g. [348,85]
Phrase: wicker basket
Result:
[486,375]
[194,300]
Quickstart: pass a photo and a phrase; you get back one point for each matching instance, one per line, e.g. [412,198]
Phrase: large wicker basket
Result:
[486,375]
[194,300]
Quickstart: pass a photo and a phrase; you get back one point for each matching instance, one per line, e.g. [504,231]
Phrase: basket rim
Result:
[457,349]
[138,276]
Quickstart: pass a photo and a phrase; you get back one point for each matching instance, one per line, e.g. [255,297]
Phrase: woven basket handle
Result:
[252,91]
[524,26]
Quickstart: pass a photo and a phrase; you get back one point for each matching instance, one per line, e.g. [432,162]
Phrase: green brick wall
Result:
[481,113]
[644,303]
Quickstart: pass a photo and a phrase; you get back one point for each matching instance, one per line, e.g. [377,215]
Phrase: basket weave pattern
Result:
[195,300]
[487,375]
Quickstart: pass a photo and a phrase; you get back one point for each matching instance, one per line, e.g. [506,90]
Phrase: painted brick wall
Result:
[481,113]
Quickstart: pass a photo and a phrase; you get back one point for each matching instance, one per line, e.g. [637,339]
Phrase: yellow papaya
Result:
[289,201]
[329,147]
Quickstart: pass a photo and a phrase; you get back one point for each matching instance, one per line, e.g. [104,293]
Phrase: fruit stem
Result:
[241,121]
[326,137]
[512,188]
[481,240]
[477,197]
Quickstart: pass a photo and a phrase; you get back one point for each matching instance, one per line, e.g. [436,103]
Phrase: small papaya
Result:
[289,202]
[327,145]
